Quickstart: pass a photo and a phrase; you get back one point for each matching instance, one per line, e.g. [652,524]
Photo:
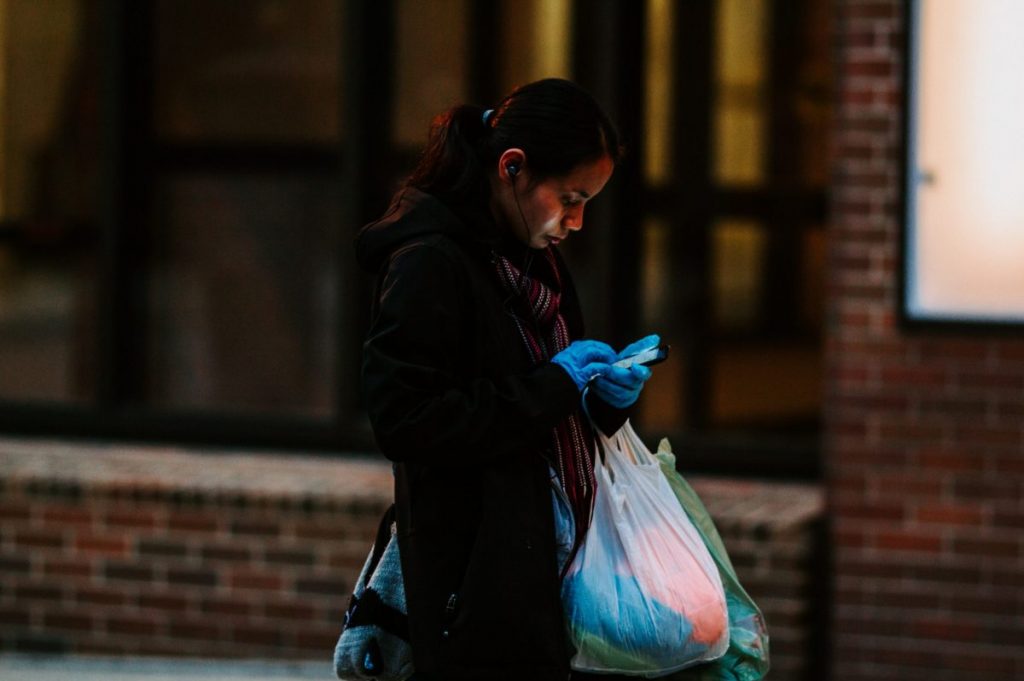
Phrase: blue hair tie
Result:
[486,118]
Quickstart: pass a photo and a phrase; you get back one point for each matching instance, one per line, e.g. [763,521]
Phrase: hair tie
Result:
[486,118]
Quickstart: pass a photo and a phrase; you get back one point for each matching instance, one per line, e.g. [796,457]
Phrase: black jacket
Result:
[455,402]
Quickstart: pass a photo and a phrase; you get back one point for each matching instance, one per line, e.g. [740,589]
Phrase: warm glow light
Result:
[966,217]
[3,105]
[739,118]
[431,66]
[553,36]
[658,142]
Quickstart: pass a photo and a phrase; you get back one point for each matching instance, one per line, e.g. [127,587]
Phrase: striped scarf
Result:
[544,333]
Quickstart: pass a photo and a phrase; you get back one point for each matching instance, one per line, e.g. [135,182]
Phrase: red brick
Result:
[909,541]
[261,527]
[979,435]
[289,610]
[226,552]
[200,521]
[39,591]
[950,514]
[71,621]
[68,515]
[882,9]
[1010,353]
[100,595]
[889,512]
[954,575]
[994,548]
[966,488]
[194,576]
[68,568]
[914,376]
[133,625]
[102,544]
[1008,519]
[137,518]
[226,606]
[163,601]
[252,579]
[267,636]
[193,629]
[15,616]
[867,66]
[42,538]
[15,510]
[953,462]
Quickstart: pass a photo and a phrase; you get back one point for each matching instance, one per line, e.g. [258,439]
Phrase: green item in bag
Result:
[747,656]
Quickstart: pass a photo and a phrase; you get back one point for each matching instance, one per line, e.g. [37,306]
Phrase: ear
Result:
[511,165]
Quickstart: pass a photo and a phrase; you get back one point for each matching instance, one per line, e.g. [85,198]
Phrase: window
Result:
[51,203]
[182,183]
[964,222]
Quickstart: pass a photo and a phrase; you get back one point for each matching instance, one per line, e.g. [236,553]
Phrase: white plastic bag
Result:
[643,595]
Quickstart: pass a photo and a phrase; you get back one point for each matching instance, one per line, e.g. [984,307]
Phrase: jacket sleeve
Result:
[421,407]
[606,417]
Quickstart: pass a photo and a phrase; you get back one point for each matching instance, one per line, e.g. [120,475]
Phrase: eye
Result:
[571,201]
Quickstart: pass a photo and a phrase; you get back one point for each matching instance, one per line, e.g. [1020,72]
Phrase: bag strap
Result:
[381,542]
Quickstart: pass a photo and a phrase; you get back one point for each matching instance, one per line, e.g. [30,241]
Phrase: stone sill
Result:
[217,477]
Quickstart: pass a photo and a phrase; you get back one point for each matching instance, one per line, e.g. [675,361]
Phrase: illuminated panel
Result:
[431,66]
[966,207]
[536,41]
[658,141]
[739,112]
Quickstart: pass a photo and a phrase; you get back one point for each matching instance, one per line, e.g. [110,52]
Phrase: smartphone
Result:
[648,358]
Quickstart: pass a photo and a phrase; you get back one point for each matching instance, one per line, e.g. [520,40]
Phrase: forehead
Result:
[587,178]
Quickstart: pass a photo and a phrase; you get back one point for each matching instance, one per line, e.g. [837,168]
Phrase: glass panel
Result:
[965,241]
[243,294]
[49,199]
[812,285]
[431,64]
[537,41]
[659,74]
[765,384]
[740,108]
[737,266]
[663,405]
[248,70]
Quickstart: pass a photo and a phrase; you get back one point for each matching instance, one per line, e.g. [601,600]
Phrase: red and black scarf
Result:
[544,332]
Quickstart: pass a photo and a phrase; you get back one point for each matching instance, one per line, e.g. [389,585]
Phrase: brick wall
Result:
[924,436]
[114,550]
[164,553]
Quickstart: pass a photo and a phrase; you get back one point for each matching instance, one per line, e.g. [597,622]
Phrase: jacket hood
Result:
[414,214]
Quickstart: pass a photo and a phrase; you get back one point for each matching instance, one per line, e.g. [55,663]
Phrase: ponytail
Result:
[556,123]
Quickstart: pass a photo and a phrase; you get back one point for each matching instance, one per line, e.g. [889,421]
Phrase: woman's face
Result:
[551,208]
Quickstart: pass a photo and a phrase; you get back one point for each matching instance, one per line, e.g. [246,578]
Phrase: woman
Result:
[475,379]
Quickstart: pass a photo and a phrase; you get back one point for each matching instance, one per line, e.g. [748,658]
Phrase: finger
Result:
[594,370]
[645,343]
[621,376]
[596,350]
[640,372]
[609,392]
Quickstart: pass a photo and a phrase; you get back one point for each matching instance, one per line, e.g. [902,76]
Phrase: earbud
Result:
[513,169]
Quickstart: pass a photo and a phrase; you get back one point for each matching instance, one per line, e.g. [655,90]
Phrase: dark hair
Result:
[556,123]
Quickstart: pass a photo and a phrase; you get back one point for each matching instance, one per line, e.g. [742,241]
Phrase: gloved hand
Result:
[583,359]
[652,341]
[621,387]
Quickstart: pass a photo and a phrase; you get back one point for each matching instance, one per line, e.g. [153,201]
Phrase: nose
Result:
[574,219]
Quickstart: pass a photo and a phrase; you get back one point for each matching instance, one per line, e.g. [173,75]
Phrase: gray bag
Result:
[374,641]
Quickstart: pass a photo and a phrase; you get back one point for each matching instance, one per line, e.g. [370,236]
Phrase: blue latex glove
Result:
[652,341]
[584,359]
[621,387]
